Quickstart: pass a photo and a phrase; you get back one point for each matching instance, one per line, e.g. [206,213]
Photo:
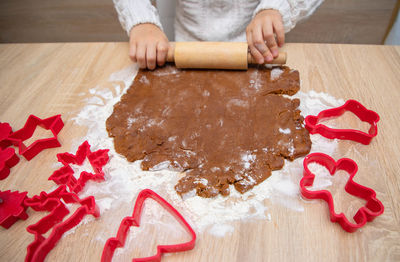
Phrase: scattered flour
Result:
[284,131]
[276,72]
[124,180]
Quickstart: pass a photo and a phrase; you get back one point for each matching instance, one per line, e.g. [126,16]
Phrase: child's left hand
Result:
[260,35]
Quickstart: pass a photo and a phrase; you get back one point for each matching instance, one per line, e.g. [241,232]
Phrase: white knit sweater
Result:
[213,20]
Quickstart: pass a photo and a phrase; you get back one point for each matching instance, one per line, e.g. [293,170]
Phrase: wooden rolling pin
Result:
[214,55]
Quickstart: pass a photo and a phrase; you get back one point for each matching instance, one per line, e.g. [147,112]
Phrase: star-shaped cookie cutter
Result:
[65,174]
[134,220]
[52,202]
[353,106]
[367,213]
[8,159]
[54,124]
[12,207]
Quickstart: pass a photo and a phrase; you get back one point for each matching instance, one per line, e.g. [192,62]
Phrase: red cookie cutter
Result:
[134,220]
[372,208]
[8,159]
[54,124]
[52,202]
[12,207]
[65,175]
[5,131]
[353,106]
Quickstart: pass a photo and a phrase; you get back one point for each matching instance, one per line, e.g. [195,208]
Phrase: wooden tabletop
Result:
[46,79]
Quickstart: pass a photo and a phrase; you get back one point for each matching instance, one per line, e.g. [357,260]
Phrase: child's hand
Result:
[148,45]
[260,35]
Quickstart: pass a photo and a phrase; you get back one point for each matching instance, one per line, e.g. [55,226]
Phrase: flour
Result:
[284,130]
[124,180]
[276,73]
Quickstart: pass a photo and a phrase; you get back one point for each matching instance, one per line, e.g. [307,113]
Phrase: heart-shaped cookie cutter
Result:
[5,131]
[353,106]
[8,159]
[12,207]
[134,220]
[367,213]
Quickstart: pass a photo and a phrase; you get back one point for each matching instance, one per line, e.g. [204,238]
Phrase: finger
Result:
[268,34]
[280,33]
[151,53]
[132,51]
[162,51]
[141,55]
[253,50]
[259,42]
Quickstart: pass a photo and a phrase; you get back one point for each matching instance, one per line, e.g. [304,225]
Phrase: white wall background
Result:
[393,37]
[166,9]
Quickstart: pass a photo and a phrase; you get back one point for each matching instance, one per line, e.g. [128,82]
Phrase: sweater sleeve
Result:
[133,12]
[292,11]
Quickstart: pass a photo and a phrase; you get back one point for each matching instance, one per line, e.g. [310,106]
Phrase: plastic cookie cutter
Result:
[53,203]
[353,106]
[54,124]
[373,206]
[134,220]
[65,175]
[8,159]
[5,131]
[12,207]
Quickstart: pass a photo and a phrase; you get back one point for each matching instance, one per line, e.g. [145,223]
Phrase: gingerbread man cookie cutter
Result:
[367,213]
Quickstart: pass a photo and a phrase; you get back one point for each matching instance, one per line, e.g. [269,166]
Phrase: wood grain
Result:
[46,79]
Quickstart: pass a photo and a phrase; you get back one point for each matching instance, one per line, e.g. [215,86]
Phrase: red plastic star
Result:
[65,175]
[12,207]
[8,159]
[54,124]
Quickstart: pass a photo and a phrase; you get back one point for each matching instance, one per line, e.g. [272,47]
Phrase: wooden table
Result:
[45,79]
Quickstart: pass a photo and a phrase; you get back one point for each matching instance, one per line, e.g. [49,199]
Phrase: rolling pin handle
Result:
[171,52]
[216,48]
[280,60]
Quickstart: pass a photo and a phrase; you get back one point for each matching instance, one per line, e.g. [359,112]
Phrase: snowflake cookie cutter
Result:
[367,213]
[134,220]
[53,202]
[54,124]
[364,114]
[12,207]
[65,174]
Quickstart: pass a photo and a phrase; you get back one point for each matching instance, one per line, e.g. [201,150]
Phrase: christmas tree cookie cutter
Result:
[134,220]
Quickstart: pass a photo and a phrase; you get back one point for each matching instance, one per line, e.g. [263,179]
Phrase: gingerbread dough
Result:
[221,127]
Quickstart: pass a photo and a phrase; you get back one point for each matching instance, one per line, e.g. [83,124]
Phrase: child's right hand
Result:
[148,45]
